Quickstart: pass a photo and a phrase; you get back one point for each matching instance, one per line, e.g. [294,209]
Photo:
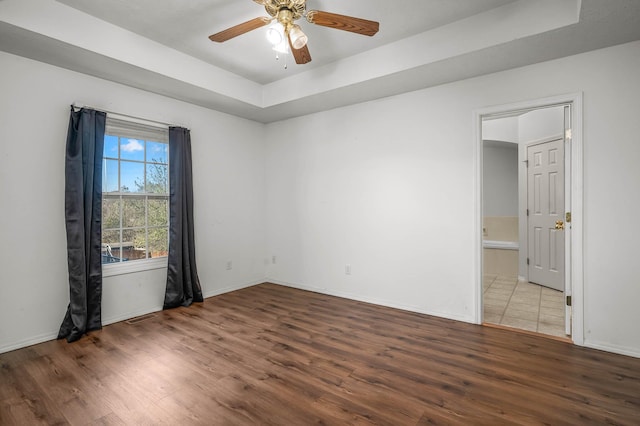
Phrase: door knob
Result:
[559,224]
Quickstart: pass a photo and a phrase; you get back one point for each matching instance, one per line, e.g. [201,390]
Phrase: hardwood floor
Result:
[274,355]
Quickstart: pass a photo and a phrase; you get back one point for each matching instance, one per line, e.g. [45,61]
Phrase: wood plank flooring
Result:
[274,355]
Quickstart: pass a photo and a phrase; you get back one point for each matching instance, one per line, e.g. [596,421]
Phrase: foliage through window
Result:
[135,192]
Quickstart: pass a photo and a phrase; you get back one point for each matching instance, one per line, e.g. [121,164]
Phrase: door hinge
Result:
[527,212]
[527,260]
[526,163]
[568,300]
[567,217]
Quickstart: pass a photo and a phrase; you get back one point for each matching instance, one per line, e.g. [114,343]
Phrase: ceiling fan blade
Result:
[302,55]
[240,29]
[343,22]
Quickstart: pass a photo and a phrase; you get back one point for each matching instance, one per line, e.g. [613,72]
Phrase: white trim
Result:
[500,245]
[478,234]
[567,202]
[608,347]
[231,288]
[373,301]
[133,266]
[128,128]
[576,266]
[543,140]
[523,235]
[217,292]
[130,315]
[40,338]
[577,215]
[52,335]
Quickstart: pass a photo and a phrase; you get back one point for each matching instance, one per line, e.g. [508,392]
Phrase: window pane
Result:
[110,146]
[131,176]
[158,242]
[158,211]
[157,179]
[131,237]
[135,187]
[134,243]
[110,246]
[157,152]
[109,176]
[110,213]
[131,149]
[111,238]
[132,212]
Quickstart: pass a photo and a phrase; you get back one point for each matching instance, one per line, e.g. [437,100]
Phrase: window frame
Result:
[144,132]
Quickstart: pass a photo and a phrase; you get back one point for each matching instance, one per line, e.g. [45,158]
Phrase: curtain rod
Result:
[140,120]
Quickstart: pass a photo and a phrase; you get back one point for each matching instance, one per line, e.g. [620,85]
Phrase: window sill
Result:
[133,266]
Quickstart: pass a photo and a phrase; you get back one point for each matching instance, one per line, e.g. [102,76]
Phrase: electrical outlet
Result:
[347,269]
[229,265]
[273,260]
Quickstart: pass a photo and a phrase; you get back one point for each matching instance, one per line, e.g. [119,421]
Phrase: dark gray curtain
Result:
[83,212]
[183,285]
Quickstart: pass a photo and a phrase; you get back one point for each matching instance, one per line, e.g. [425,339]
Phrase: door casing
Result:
[574,276]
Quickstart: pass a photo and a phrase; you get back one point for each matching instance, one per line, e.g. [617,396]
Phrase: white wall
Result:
[501,129]
[385,187]
[540,124]
[388,187]
[500,178]
[228,162]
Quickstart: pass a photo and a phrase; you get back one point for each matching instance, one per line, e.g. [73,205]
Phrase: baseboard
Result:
[52,335]
[373,301]
[41,338]
[620,350]
[229,289]
[217,292]
[129,315]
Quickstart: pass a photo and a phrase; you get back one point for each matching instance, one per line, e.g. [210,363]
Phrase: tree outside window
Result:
[135,200]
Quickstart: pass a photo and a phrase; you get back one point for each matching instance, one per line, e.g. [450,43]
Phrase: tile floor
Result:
[523,305]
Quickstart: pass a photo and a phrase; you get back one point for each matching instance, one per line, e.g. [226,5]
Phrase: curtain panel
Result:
[183,285]
[83,217]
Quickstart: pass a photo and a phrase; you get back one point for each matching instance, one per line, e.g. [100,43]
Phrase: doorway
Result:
[524,265]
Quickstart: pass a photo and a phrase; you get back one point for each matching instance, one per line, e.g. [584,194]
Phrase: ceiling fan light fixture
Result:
[275,34]
[282,47]
[298,38]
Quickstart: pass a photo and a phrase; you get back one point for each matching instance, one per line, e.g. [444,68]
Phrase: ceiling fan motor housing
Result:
[296,7]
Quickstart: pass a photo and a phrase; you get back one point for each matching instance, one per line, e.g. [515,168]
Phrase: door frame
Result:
[574,272]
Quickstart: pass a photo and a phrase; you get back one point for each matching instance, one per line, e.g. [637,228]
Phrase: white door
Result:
[545,203]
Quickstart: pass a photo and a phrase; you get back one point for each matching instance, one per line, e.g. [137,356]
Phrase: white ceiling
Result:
[186,25]
[162,46]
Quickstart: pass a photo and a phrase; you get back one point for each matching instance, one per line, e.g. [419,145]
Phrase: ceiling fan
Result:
[286,12]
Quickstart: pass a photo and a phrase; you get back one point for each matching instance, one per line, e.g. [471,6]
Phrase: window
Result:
[135,193]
